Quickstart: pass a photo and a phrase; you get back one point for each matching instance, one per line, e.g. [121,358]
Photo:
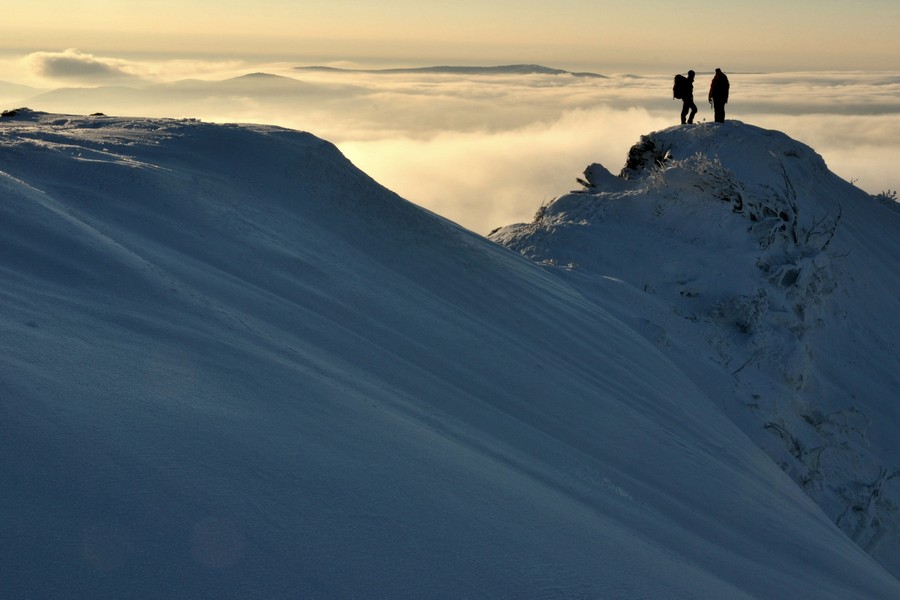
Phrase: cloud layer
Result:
[488,149]
[72,66]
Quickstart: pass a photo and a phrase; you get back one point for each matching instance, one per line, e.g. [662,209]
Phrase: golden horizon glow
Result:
[765,35]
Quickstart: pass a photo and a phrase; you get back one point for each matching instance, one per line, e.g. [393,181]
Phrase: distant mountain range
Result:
[82,98]
[228,96]
[463,70]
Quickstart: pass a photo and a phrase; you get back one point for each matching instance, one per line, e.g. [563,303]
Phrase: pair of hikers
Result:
[718,95]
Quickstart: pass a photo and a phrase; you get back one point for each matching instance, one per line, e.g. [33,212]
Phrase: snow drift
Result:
[234,366]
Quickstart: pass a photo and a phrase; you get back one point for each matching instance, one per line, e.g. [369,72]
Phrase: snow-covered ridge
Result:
[234,366]
[769,280]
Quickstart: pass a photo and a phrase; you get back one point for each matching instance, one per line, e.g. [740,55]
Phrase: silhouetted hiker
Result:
[718,95]
[683,89]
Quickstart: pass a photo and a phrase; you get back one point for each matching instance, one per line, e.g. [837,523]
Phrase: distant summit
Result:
[259,76]
[463,70]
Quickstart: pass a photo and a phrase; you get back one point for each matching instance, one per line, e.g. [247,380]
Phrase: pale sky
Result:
[647,36]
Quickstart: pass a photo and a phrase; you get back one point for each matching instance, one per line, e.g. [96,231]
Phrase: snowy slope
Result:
[233,366]
[768,280]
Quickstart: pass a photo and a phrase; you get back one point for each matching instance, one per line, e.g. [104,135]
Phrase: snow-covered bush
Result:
[644,154]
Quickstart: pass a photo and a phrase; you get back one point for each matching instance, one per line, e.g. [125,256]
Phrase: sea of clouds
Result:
[484,149]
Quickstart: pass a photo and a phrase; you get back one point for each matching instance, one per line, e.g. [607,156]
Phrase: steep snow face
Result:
[233,366]
[768,280]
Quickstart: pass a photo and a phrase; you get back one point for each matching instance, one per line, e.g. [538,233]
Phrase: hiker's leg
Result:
[720,111]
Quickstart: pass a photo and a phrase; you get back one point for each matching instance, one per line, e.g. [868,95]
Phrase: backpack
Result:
[680,87]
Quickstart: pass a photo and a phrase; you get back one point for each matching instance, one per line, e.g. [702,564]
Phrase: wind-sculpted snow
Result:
[234,366]
[772,283]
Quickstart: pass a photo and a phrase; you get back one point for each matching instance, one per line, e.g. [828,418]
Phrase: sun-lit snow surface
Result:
[233,366]
[771,283]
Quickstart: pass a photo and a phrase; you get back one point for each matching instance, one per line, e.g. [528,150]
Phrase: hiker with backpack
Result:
[684,90]
[718,95]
